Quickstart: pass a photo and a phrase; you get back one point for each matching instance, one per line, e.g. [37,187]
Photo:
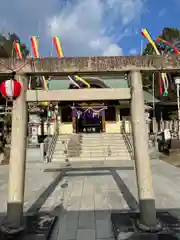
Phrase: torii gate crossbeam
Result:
[89,65]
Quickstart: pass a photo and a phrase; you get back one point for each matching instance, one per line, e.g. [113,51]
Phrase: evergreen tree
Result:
[6,46]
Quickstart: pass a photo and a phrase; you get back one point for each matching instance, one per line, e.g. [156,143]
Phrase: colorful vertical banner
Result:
[75,79]
[164,77]
[58,47]
[17,49]
[57,44]
[44,82]
[168,44]
[160,84]
[35,46]
[146,35]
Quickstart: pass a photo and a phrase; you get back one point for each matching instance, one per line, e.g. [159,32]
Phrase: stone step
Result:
[107,150]
[98,149]
[58,147]
[101,140]
[59,152]
[63,139]
[68,146]
[90,149]
[97,159]
[93,149]
[65,136]
[101,137]
[91,139]
[102,146]
[105,138]
[60,155]
[125,155]
[103,155]
[92,145]
[90,155]
[107,144]
[99,134]
[92,135]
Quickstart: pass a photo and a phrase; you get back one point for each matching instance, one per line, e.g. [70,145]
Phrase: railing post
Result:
[142,159]
[154,124]
[42,152]
[17,167]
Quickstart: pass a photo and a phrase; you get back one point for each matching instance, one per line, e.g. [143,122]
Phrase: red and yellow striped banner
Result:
[34,46]
[58,47]
[59,51]
[17,49]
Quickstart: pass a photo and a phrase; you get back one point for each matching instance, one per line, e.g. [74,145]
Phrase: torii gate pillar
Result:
[142,159]
[17,162]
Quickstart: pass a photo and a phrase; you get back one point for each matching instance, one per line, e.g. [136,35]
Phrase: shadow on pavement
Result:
[92,224]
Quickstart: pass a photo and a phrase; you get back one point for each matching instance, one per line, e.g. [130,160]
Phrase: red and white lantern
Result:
[10,88]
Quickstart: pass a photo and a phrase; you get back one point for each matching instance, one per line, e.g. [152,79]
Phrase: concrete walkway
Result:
[83,198]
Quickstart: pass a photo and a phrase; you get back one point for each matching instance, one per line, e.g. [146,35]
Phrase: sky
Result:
[88,27]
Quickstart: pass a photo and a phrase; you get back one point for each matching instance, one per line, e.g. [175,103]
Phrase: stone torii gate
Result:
[83,66]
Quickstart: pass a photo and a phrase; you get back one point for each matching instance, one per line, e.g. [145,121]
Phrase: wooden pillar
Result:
[141,152]
[16,182]
[74,119]
[118,116]
[74,123]
[103,121]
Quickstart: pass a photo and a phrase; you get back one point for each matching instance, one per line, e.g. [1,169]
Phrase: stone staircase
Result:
[88,147]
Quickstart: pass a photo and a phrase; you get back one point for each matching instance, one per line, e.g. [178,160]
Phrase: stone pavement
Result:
[83,198]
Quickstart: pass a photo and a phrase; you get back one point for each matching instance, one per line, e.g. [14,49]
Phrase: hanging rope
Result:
[89,108]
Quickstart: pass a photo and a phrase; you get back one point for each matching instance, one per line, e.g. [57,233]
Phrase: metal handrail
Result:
[127,141]
[52,144]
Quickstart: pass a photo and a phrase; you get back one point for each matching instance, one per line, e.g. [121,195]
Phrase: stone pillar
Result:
[103,121]
[142,159]
[16,182]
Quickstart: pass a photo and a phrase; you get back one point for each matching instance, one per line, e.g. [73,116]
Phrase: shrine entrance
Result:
[88,118]
[89,125]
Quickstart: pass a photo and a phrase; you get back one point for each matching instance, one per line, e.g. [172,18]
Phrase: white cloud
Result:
[133,51]
[113,50]
[92,27]
[162,12]
[129,10]
[88,27]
